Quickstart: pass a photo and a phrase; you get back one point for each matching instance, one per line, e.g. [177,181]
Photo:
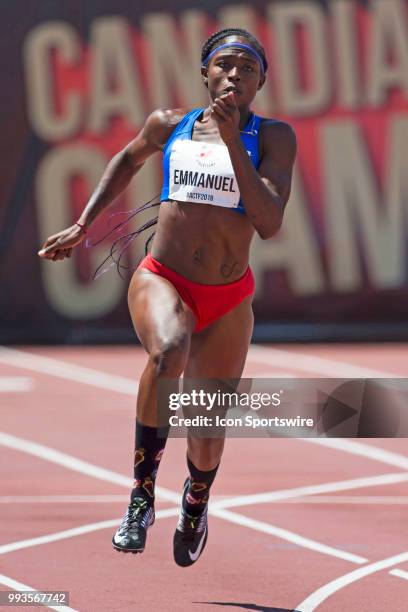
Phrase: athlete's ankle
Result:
[137,493]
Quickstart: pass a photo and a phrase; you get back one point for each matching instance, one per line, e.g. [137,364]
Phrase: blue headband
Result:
[240,46]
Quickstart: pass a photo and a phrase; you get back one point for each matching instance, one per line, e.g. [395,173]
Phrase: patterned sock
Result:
[149,447]
[195,499]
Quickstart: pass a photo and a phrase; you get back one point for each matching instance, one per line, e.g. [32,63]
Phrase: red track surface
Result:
[245,566]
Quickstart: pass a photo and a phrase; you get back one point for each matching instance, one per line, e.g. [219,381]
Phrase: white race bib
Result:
[202,172]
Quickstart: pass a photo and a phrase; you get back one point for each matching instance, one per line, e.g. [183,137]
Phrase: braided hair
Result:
[121,244]
[212,43]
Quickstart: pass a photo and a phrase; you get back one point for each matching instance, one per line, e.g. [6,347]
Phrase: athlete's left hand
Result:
[225,112]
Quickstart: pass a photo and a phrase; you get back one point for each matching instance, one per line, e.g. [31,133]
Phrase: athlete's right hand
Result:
[60,246]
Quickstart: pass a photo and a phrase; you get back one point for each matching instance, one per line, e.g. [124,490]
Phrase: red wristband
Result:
[81,225]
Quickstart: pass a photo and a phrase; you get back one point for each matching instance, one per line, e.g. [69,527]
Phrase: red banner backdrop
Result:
[80,82]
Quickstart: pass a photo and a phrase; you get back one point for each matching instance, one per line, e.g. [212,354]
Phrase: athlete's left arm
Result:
[266,191]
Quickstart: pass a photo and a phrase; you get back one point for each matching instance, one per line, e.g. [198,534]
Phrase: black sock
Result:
[149,447]
[195,499]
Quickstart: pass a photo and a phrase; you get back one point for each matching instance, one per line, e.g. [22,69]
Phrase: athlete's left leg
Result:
[219,351]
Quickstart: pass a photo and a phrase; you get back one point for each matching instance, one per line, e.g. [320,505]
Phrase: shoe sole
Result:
[128,550]
[134,551]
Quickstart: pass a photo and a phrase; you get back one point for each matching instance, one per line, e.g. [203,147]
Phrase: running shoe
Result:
[131,534]
[190,536]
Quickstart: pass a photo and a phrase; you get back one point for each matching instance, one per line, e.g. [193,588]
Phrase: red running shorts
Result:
[208,302]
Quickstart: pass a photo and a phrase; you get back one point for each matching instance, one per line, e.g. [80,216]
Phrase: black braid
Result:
[120,245]
[212,42]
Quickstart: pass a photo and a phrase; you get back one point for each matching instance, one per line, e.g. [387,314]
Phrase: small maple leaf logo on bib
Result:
[205,157]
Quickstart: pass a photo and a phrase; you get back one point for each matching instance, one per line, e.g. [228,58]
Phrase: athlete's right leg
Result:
[164,324]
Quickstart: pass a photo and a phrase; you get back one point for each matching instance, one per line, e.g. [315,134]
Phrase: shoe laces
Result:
[191,525]
[136,512]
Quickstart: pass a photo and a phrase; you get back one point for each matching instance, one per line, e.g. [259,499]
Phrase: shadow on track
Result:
[246,606]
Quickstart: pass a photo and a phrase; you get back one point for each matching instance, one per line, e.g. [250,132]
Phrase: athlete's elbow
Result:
[268,232]
[269,229]
[129,161]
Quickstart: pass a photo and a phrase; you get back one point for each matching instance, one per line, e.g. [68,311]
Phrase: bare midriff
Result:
[205,243]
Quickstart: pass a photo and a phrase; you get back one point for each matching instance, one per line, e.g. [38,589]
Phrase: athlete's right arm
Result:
[117,176]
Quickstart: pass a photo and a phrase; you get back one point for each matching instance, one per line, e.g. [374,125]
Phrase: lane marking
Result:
[63,499]
[15,384]
[19,586]
[310,363]
[399,573]
[75,531]
[290,536]
[70,462]
[327,487]
[359,500]
[224,514]
[127,386]
[84,467]
[326,591]
[388,500]
[68,371]
[337,369]
[77,465]
[121,384]
[230,516]
[306,362]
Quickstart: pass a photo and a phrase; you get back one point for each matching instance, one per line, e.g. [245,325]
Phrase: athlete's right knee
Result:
[169,357]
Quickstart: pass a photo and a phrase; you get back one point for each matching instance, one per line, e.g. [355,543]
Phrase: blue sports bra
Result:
[201,172]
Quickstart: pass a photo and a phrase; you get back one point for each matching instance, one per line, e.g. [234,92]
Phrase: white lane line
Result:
[70,462]
[315,365]
[75,531]
[330,367]
[125,385]
[15,384]
[77,465]
[388,500]
[359,500]
[224,514]
[327,487]
[63,499]
[338,369]
[19,586]
[68,371]
[290,536]
[363,450]
[324,592]
[399,573]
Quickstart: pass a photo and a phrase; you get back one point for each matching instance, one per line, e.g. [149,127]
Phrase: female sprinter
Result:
[227,174]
